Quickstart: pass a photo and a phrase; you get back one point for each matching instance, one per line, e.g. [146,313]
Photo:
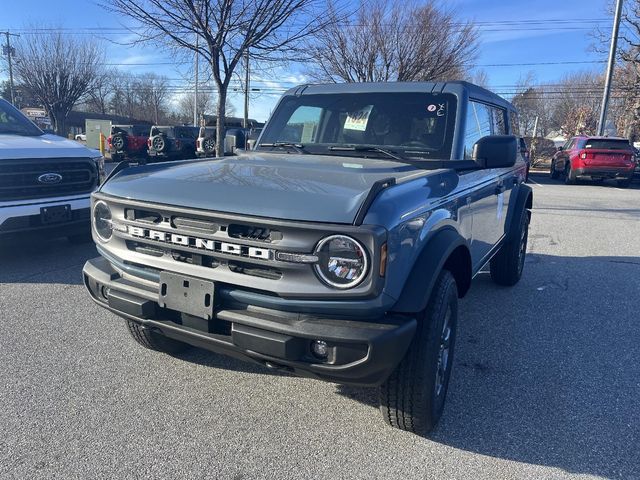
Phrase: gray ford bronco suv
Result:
[337,249]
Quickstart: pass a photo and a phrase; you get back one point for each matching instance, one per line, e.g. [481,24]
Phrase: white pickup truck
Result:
[45,180]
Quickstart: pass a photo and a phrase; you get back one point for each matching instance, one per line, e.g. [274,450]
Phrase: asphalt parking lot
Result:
[546,382]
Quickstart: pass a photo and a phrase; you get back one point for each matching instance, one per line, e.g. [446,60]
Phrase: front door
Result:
[491,188]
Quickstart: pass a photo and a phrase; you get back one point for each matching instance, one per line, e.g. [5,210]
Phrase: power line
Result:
[528,64]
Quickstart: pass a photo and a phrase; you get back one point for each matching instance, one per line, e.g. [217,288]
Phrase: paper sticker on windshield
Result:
[358,120]
[432,108]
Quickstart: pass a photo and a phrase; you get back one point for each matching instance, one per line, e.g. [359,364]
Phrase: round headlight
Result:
[342,261]
[102,221]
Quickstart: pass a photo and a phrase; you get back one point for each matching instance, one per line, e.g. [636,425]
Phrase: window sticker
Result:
[441,109]
[432,108]
[359,119]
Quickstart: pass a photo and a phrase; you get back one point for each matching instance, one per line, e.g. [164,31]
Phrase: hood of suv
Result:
[287,186]
[43,146]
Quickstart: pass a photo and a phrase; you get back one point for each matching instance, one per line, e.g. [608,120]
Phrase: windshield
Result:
[417,125]
[158,130]
[207,132]
[13,122]
[608,144]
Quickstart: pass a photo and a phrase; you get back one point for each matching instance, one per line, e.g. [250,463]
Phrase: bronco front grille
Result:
[23,179]
[231,249]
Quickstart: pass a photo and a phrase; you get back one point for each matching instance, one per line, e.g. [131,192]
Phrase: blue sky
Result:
[515,32]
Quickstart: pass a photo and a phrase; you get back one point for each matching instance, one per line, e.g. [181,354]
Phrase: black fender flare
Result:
[432,259]
[523,200]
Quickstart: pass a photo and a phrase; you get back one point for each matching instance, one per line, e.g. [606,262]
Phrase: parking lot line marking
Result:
[533,181]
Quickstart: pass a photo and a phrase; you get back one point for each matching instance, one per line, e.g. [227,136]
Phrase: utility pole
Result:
[532,148]
[195,95]
[246,96]
[610,66]
[10,52]
[246,89]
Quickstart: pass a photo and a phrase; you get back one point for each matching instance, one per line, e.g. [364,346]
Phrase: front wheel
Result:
[154,340]
[413,397]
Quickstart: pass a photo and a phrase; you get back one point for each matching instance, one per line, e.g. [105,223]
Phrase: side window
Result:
[477,125]
[567,144]
[514,123]
[499,124]
[303,126]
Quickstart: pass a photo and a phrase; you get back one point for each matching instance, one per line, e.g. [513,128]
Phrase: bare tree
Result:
[23,97]
[530,101]
[140,97]
[58,70]
[480,77]
[98,96]
[624,107]
[628,77]
[206,102]
[124,96]
[388,40]
[207,105]
[222,31]
[576,103]
[152,94]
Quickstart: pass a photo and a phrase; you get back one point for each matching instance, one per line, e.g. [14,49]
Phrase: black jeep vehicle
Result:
[337,249]
[172,143]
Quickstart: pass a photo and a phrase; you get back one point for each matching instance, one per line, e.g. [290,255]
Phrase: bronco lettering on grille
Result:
[201,243]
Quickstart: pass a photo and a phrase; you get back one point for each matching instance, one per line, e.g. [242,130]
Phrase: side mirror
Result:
[560,149]
[496,151]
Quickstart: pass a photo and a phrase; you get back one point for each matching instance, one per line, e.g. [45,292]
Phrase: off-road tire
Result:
[408,399]
[154,340]
[209,145]
[626,183]
[159,143]
[507,265]
[553,172]
[121,140]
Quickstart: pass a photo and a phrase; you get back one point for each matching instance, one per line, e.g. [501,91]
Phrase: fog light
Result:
[320,349]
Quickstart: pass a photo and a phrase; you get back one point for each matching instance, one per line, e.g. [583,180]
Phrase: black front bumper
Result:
[362,353]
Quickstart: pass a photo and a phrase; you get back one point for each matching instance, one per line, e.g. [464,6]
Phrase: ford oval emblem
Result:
[50,178]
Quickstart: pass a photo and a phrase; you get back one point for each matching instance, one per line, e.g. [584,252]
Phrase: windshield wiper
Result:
[368,148]
[298,147]
[422,163]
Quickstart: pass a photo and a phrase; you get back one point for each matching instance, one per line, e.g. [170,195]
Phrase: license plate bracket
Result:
[185,294]
[55,214]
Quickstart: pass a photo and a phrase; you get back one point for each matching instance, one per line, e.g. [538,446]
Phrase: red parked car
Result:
[595,158]
[128,142]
